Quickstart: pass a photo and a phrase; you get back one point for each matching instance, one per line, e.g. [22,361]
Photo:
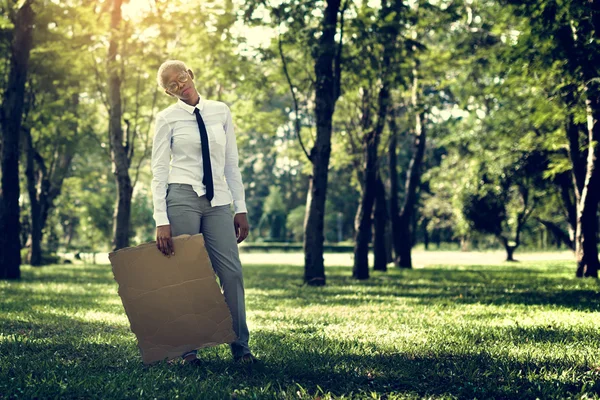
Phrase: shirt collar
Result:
[189,108]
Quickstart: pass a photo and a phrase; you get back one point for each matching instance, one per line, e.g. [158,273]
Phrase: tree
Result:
[120,146]
[10,122]
[502,205]
[429,60]
[44,182]
[327,56]
[571,38]
[55,121]
[130,95]
[402,220]
[506,120]
[325,44]
[381,231]
[85,207]
[376,102]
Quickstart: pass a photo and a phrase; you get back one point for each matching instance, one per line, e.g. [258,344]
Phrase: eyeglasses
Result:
[181,78]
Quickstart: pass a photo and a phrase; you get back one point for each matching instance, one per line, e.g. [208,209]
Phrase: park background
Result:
[394,154]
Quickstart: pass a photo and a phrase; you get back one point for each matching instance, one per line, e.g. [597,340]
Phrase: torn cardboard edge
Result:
[174,304]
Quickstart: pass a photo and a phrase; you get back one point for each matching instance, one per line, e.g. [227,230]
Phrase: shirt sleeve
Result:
[232,169]
[161,158]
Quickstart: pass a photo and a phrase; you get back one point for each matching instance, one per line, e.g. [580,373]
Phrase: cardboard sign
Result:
[174,304]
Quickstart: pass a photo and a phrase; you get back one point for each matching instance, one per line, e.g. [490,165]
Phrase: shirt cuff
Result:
[239,206]
[161,219]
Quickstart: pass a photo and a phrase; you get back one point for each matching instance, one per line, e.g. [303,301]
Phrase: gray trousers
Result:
[190,214]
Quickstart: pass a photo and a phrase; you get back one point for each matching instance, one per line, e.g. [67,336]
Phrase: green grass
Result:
[523,331]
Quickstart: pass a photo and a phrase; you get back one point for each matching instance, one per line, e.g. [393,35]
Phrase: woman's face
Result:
[179,83]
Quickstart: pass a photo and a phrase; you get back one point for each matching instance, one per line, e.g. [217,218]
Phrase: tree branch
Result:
[138,168]
[338,57]
[104,148]
[147,148]
[297,126]
[98,85]
[146,138]
[557,232]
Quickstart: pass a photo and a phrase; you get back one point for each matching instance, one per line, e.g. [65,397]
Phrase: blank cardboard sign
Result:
[173,304]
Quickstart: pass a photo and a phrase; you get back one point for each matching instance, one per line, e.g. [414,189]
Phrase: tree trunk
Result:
[464,243]
[388,36]
[119,151]
[578,166]
[393,170]
[403,238]
[314,269]
[586,252]
[403,257]
[425,235]
[380,248]
[45,184]
[326,94]
[122,215]
[389,252]
[10,121]
[70,232]
[586,243]
[583,45]
[35,252]
[510,250]
[413,180]
[363,220]
[566,193]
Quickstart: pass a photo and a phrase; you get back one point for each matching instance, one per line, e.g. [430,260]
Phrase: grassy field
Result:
[523,330]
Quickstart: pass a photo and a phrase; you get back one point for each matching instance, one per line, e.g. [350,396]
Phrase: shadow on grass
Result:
[578,300]
[48,354]
[78,366]
[477,285]
[539,335]
[345,366]
[19,299]
[543,285]
[70,274]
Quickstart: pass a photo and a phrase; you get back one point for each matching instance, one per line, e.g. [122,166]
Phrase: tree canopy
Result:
[381,124]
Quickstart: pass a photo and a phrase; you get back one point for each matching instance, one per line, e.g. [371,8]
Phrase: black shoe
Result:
[194,362]
[247,359]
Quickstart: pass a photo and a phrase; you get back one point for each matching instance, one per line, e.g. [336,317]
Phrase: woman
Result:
[195,179]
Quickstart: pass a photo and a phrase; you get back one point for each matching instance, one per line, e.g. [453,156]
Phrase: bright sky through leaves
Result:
[255,36]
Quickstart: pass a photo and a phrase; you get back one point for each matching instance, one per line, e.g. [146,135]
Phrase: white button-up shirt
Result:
[177,155]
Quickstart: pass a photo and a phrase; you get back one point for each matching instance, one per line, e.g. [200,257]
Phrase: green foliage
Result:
[500,331]
[142,221]
[274,214]
[498,81]
[295,223]
[85,208]
[501,139]
[485,210]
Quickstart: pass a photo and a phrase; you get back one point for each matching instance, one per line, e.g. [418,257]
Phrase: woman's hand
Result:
[164,243]
[240,221]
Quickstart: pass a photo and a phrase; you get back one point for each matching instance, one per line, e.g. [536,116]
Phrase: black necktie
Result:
[207,180]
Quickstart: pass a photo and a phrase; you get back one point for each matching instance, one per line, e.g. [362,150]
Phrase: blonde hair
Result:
[168,65]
